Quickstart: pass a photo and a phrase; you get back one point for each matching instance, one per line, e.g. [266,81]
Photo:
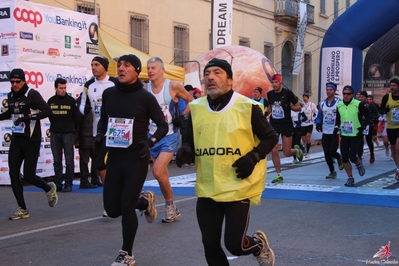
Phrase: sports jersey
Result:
[281,106]
[327,115]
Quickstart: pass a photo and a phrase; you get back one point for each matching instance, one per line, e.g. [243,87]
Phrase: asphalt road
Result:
[316,223]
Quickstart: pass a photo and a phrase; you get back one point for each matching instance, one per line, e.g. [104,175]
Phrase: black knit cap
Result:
[17,73]
[348,88]
[223,64]
[258,89]
[133,60]
[102,60]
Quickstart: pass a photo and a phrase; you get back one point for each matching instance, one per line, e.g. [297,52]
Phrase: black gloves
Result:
[319,128]
[246,164]
[22,119]
[178,121]
[184,155]
[336,130]
[87,109]
[98,141]
[146,144]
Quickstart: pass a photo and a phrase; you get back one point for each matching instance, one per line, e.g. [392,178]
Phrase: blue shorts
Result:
[169,143]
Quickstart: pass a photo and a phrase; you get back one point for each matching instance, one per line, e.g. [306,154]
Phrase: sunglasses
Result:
[16,81]
[346,93]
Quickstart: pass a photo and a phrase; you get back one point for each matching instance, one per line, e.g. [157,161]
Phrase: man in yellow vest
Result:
[230,139]
[390,107]
[352,118]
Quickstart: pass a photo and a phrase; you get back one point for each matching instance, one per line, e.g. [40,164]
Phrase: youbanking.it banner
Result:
[222,22]
[47,43]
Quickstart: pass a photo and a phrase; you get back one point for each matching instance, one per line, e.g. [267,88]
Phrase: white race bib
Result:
[119,132]
[20,128]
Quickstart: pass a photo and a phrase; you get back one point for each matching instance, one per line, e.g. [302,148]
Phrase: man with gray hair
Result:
[167,93]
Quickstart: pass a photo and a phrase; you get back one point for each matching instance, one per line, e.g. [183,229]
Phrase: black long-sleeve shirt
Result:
[260,126]
[21,104]
[132,101]
[66,115]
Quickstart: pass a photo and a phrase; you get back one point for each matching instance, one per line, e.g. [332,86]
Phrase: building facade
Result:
[180,30]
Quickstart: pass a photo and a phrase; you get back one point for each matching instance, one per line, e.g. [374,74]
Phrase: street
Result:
[309,221]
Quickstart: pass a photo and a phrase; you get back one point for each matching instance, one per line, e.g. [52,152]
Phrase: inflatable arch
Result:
[357,28]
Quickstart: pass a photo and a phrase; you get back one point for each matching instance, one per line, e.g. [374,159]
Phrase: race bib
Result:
[395,114]
[347,128]
[97,107]
[329,119]
[119,132]
[366,130]
[277,112]
[20,128]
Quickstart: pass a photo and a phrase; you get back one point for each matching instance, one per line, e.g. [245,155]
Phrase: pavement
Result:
[309,220]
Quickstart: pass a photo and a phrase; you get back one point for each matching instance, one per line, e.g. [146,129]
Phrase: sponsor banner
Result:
[336,67]
[41,77]
[222,22]
[8,34]
[50,35]
[300,38]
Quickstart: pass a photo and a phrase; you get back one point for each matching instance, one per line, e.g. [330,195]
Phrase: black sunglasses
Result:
[16,81]
[346,93]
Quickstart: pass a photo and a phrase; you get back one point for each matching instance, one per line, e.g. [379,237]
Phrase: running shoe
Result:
[172,213]
[124,259]
[361,169]
[278,179]
[294,161]
[372,159]
[266,255]
[151,212]
[52,196]
[350,182]
[396,177]
[332,175]
[105,214]
[299,153]
[307,155]
[20,214]
[387,153]
[340,163]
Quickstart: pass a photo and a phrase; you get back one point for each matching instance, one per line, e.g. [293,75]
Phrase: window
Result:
[308,73]
[88,9]
[268,51]
[323,7]
[244,42]
[306,1]
[181,44]
[139,33]
[348,4]
[336,9]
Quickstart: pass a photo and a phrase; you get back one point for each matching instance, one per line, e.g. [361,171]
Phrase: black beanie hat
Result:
[102,60]
[258,89]
[133,60]
[363,93]
[223,64]
[17,73]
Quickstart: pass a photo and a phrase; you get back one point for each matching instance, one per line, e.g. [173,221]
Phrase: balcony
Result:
[287,11]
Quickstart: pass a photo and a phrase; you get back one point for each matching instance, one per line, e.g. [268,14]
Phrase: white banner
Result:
[222,22]
[300,38]
[47,43]
[336,67]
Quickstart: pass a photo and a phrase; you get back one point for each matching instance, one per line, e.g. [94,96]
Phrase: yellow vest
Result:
[220,139]
[393,114]
[349,118]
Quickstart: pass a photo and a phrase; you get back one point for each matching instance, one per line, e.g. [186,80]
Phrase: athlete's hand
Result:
[21,119]
[178,121]
[336,130]
[146,144]
[246,164]
[360,131]
[184,155]
[319,128]
[98,141]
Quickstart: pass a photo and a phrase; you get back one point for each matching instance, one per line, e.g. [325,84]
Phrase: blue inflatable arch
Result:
[357,28]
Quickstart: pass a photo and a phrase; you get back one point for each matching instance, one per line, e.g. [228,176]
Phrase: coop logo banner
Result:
[34,78]
[65,21]
[28,16]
